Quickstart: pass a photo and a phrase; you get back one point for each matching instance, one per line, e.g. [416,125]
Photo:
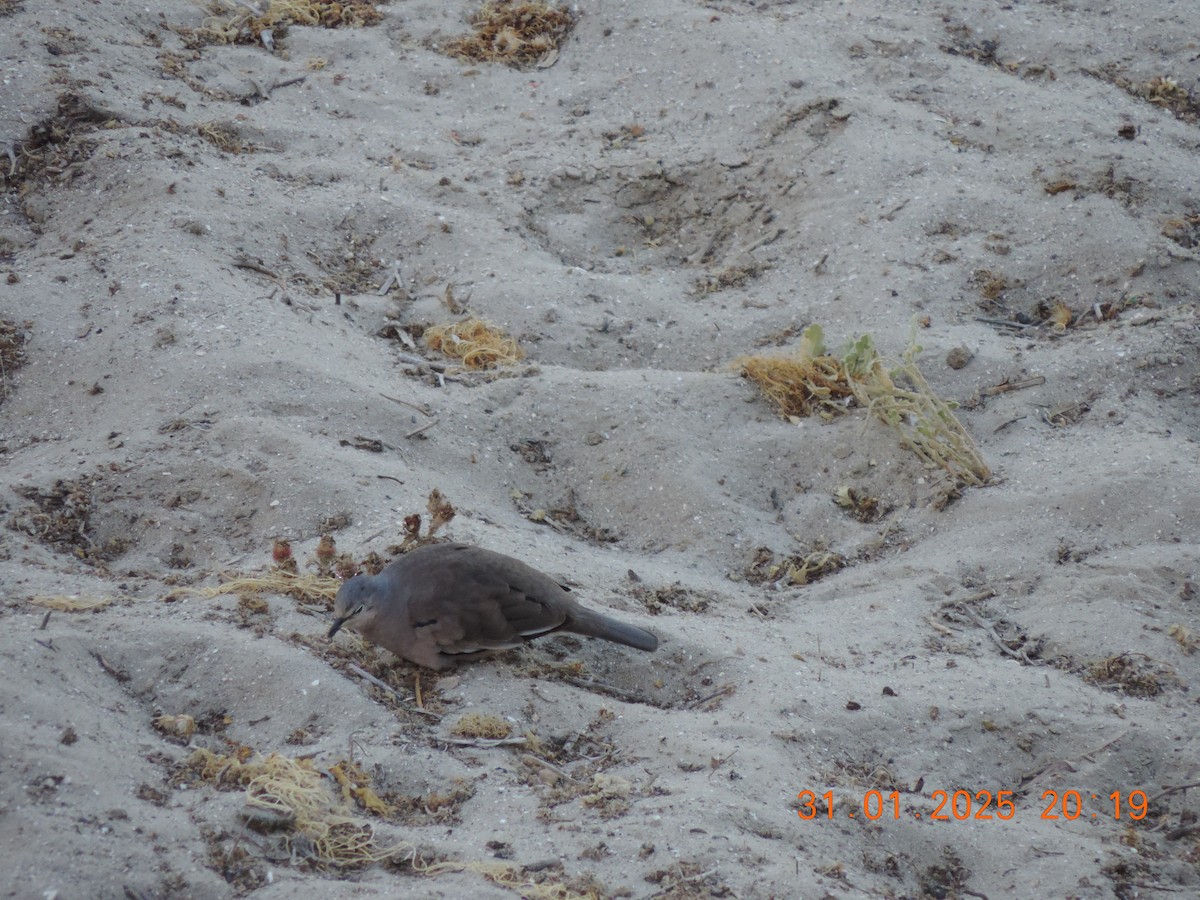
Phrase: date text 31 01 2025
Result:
[962,805]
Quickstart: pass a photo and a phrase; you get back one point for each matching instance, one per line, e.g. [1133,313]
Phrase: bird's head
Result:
[356,604]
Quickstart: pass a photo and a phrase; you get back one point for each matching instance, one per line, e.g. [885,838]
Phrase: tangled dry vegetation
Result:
[56,146]
[1184,231]
[241,23]
[326,817]
[70,603]
[478,344]
[290,796]
[802,383]
[60,517]
[519,34]
[13,338]
[1163,91]
[797,569]
[809,381]
[307,588]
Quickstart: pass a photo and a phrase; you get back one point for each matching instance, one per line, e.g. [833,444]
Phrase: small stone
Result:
[958,357]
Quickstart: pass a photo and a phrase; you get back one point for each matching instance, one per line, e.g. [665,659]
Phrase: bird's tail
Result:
[593,624]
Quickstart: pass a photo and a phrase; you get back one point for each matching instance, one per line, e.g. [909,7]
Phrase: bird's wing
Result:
[466,608]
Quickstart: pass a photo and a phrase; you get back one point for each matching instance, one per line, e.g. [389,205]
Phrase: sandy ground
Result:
[686,183]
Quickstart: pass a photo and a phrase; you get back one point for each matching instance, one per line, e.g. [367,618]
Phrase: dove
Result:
[444,603]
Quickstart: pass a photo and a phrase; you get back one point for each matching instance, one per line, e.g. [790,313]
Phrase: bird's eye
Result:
[357,611]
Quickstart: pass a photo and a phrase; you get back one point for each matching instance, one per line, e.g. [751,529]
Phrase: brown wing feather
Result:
[465,602]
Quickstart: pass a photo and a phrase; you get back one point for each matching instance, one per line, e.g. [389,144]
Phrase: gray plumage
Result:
[442,603]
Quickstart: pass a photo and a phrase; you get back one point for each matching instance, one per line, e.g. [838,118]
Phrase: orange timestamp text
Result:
[981,806]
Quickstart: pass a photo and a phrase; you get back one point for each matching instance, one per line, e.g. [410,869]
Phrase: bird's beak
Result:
[338,623]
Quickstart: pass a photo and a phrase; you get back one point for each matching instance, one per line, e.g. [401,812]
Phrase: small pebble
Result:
[958,357]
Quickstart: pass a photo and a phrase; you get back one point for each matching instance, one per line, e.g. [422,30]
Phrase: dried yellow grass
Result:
[481,725]
[321,827]
[810,381]
[65,603]
[800,387]
[809,568]
[805,382]
[355,786]
[477,343]
[513,33]
[309,588]
[240,23]
[798,569]
[295,790]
